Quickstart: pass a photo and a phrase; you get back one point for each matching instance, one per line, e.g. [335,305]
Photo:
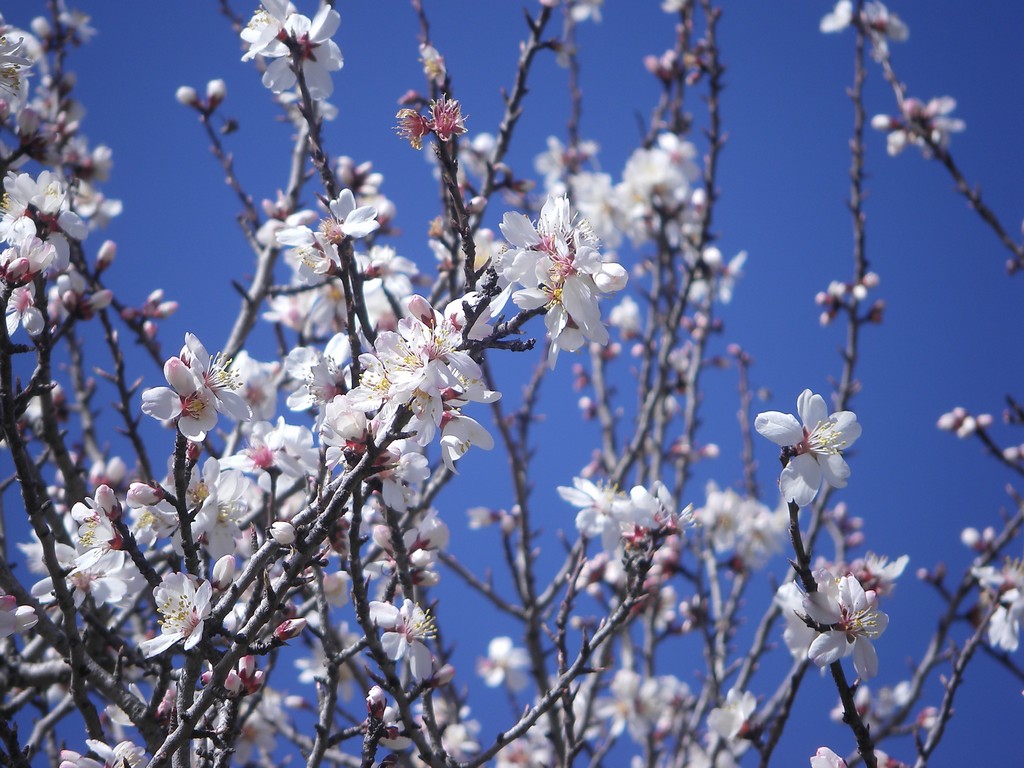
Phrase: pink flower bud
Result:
[179,377]
[233,683]
[106,254]
[376,702]
[247,666]
[224,572]
[283,533]
[444,675]
[143,495]
[107,501]
[420,308]
[289,629]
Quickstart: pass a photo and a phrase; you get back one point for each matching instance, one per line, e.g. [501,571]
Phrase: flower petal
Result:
[800,480]
[780,428]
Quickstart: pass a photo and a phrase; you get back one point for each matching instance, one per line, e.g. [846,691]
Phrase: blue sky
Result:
[951,334]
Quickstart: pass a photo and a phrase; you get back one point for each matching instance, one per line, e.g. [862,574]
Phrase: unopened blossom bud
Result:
[193,451]
[289,629]
[967,427]
[970,537]
[224,572]
[187,96]
[712,257]
[247,666]
[232,683]
[927,717]
[143,495]
[40,27]
[443,676]
[826,758]
[420,308]
[877,311]
[283,533]
[883,123]
[477,204]
[251,677]
[376,702]
[108,502]
[952,420]
[216,90]
[149,328]
[101,299]
[105,255]
[165,309]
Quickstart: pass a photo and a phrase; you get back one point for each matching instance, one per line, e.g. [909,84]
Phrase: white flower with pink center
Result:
[505,665]
[308,43]
[186,400]
[604,509]
[200,387]
[184,605]
[22,310]
[405,629]
[852,619]
[813,450]
[562,272]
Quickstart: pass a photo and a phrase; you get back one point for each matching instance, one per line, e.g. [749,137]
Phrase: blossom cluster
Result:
[316,513]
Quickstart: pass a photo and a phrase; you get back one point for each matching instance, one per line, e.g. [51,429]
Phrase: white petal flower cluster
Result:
[657,193]
[315,254]
[642,705]
[879,23]
[813,449]
[201,387]
[1007,582]
[277,32]
[922,124]
[505,664]
[14,65]
[124,754]
[744,525]
[37,221]
[557,263]
[423,543]
[728,720]
[184,604]
[608,514]
[852,619]
[405,629]
[421,365]
[97,566]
